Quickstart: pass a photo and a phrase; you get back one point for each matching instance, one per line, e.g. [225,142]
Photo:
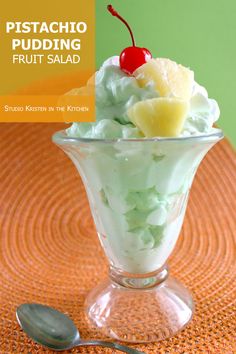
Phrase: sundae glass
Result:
[137,162]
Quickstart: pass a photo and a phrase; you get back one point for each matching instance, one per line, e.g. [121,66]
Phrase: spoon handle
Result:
[116,346]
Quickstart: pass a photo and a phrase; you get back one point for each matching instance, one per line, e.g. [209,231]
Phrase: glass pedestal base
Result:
[140,308]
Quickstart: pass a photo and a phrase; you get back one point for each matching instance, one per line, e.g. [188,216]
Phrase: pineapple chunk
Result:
[170,78]
[161,116]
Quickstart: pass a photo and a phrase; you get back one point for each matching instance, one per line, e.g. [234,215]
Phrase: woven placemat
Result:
[50,253]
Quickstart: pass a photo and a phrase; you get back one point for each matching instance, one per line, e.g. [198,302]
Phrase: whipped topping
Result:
[116,92]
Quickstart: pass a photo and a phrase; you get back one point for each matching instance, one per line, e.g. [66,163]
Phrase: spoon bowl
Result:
[47,326]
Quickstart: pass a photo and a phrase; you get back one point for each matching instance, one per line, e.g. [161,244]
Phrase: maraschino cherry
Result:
[132,57]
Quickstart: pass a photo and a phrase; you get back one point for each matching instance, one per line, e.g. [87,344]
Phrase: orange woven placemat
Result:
[50,253]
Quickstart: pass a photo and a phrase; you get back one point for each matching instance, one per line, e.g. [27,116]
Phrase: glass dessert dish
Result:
[138,191]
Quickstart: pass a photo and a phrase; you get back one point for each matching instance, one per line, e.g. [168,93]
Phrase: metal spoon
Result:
[55,330]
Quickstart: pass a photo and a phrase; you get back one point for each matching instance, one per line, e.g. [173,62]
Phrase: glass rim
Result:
[60,137]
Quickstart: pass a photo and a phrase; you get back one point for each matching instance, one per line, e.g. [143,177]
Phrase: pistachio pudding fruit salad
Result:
[136,185]
[154,124]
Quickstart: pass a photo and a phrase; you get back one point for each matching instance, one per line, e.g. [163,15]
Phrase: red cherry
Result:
[133,57]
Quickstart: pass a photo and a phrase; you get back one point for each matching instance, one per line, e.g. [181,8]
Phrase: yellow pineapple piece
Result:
[170,78]
[161,116]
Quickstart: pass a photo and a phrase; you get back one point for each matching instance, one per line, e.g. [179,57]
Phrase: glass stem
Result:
[138,281]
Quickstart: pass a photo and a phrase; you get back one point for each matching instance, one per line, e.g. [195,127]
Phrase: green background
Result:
[200,34]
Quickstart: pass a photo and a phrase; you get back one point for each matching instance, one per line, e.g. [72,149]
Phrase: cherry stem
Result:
[111,9]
